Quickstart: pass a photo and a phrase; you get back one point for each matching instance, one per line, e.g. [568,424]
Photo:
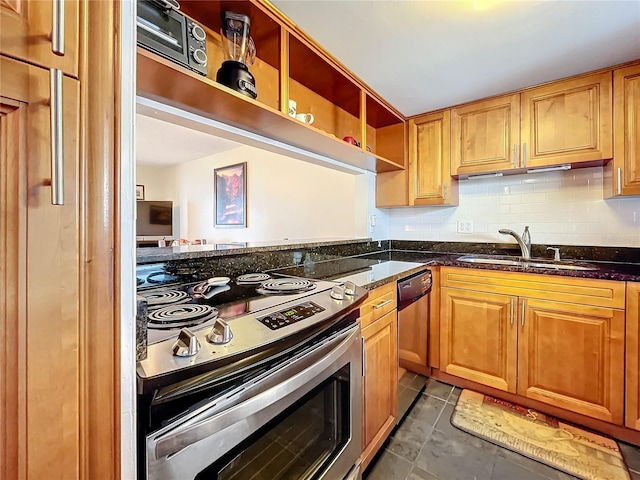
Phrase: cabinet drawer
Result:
[585,291]
[381,301]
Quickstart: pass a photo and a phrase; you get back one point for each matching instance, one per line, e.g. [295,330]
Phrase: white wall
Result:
[286,198]
[564,208]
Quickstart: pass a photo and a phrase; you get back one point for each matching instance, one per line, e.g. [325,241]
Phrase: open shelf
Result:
[314,82]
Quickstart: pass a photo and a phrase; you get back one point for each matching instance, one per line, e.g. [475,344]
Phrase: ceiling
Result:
[425,55]
[164,143]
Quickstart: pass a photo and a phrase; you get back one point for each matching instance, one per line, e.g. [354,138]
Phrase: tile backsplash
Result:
[564,208]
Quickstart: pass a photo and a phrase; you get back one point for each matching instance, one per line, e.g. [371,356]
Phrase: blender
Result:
[239,52]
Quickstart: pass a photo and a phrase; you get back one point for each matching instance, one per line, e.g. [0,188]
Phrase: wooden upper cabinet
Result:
[430,181]
[572,356]
[632,410]
[622,176]
[29,27]
[40,327]
[567,122]
[478,337]
[485,136]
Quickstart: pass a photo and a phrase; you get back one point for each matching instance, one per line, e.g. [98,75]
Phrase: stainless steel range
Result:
[251,378]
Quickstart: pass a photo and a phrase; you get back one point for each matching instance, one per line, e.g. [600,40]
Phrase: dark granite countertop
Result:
[373,270]
[163,254]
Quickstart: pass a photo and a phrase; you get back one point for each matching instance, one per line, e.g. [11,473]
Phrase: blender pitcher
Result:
[239,52]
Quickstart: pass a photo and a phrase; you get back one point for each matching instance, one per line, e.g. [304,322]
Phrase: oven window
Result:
[160,27]
[298,444]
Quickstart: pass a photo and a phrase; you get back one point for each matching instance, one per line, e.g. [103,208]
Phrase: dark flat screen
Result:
[154,219]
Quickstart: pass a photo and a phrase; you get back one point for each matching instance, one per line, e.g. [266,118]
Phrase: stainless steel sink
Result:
[530,263]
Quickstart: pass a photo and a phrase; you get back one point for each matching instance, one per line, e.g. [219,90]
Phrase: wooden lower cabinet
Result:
[569,355]
[380,395]
[632,410]
[478,337]
[572,357]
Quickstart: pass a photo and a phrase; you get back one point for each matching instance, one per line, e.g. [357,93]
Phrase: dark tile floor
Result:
[427,447]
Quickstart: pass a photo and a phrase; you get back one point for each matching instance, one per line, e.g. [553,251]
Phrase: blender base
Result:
[236,76]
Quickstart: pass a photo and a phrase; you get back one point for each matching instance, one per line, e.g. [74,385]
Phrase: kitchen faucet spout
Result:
[525,248]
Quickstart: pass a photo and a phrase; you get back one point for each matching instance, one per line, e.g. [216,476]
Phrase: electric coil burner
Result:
[252,278]
[280,286]
[166,298]
[180,316]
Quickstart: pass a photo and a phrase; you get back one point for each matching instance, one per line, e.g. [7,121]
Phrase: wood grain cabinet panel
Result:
[622,176]
[567,121]
[478,337]
[413,335]
[40,402]
[572,357]
[430,181]
[380,396]
[27,28]
[485,135]
[632,409]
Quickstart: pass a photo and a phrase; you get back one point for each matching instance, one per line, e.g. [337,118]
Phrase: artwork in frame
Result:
[231,196]
[139,192]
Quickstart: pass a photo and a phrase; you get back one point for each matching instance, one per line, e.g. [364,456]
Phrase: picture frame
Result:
[139,192]
[230,193]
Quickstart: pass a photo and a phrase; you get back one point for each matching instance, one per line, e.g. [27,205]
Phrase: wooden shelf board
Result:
[162,80]
[379,116]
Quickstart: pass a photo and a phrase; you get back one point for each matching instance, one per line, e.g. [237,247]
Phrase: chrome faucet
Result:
[524,242]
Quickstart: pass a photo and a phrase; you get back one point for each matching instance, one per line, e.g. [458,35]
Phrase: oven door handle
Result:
[209,423]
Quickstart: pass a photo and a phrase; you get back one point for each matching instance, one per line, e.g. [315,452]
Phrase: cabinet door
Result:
[413,326]
[632,413]
[572,357]
[28,28]
[478,337]
[624,172]
[485,136]
[567,122]
[39,317]
[380,383]
[430,181]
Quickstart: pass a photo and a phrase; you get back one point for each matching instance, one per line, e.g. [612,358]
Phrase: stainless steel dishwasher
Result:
[413,328]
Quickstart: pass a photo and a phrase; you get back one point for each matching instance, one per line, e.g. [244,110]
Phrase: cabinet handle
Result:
[57,154]
[364,360]
[515,155]
[524,155]
[511,309]
[382,304]
[445,193]
[524,306]
[57,28]
[619,180]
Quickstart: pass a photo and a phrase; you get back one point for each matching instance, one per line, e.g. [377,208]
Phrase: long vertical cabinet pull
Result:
[364,359]
[619,182]
[57,153]
[511,309]
[524,155]
[515,155]
[524,307]
[57,28]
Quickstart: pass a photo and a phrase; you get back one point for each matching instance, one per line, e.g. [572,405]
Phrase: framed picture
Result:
[139,192]
[230,185]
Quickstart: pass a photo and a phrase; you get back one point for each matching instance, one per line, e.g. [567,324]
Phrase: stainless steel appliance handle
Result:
[57,152]
[619,182]
[524,307]
[524,155]
[140,23]
[382,304]
[210,423]
[57,27]
[515,155]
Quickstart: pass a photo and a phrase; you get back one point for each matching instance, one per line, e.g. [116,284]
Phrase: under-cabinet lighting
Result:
[550,169]
[484,175]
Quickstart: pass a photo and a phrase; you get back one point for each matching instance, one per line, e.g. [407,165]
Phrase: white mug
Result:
[292,108]
[306,117]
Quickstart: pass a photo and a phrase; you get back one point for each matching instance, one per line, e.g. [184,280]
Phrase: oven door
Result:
[299,420]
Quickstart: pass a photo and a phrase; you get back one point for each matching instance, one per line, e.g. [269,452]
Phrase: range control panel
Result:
[290,316]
